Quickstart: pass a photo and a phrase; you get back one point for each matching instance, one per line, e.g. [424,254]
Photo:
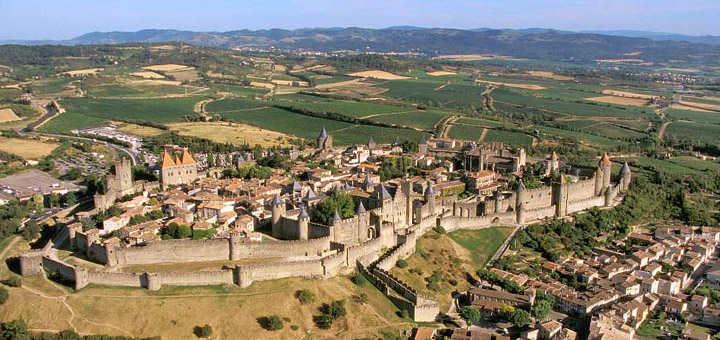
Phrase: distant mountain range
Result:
[533,43]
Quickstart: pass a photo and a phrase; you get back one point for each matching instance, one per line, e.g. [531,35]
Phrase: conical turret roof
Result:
[605,160]
[554,156]
[277,200]
[381,193]
[625,169]
[323,133]
[360,209]
[303,213]
[336,216]
[521,186]
[429,190]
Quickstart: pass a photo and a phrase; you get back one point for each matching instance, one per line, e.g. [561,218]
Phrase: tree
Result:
[305,296]
[520,318]
[336,309]
[274,323]
[69,335]
[31,230]
[470,314]
[204,331]
[324,321]
[362,298]
[342,203]
[71,198]
[401,263]
[541,309]
[88,223]
[53,200]
[14,330]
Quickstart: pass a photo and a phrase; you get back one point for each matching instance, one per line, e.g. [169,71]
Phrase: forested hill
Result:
[532,44]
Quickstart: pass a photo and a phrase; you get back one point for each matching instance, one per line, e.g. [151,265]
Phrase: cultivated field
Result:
[441,73]
[377,74]
[148,75]
[628,94]
[8,115]
[27,148]
[290,82]
[83,72]
[619,100]
[549,75]
[711,107]
[233,133]
[167,67]
[138,130]
[518,85]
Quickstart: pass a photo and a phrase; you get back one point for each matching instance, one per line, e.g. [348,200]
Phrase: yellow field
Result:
[231,133]
[377,74]
[518,85]
[148,75]
[27,148]
[626,60]
[441,73]
[549,75]
[472,57]
[83,72]
[138,130]
[214,74]
[338,84]
[156,82]
[268,86]
[689,108]
[167,67]
[280,68]
[163,47]
[633,54]
[289,82]
[8,115]
[619,100]
[676,69]
[702,105]
[628,94]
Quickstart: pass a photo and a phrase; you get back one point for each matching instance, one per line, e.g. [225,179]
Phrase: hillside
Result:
[538,44]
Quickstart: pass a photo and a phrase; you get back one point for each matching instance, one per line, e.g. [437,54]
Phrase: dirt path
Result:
[487,100]
[387,114]
[661,132]
[200,106]
[447,126]
[483,135]
[9,246]
[441,86]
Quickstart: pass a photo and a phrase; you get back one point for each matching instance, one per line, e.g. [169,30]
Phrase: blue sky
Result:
[62,19]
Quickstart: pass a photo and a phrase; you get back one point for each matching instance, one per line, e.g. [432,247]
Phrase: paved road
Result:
[134,154]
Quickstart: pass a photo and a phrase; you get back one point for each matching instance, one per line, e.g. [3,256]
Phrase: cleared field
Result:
[473,57]
[148,75]
[628,94]
[441,73]
[234,313]
[83,72]
[232,133]
[290,82]
[27,148]
[713,107]
[377,74]
[549,75]
[8,115]
[184,75]
[619,100]
[482,243]
[517,85]
[268,86]
[138,130]
[244,91]
[167,67]
[482,122]
[689,108]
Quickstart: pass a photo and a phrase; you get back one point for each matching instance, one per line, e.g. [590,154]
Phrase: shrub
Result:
[470,314]
[305,296]
[274,323]
[3,295]
[324,321]
[294,327]
[362,298]
[14,281]
[401,263]
[358,279]
[203,332]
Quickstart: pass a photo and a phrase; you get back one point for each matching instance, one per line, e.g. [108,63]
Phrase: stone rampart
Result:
[584,204]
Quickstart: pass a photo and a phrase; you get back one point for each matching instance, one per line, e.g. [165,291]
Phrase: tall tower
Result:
[626,177]
[407,193]
[520,203]
[553,164]
[609,196]
[430,198]
[497,196]
[362,222]
[605,165]
[303,220]
[324,140]
[598,181]
[560,195]
[278,210]
[422,146]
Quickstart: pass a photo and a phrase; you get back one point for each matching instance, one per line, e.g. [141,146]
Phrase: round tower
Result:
[605,165]
[303,221]
[407,194]
[362,222]
[278,210]
[560,195]
[609,195]
[598,181]
[430,198]
[626,177]
[497,196]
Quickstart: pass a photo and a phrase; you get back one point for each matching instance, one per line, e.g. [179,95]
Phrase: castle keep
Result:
[178,166]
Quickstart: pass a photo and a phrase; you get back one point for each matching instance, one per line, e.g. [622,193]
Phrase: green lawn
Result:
[482,243]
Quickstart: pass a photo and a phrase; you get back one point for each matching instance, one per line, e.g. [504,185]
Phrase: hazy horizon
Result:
[63,19]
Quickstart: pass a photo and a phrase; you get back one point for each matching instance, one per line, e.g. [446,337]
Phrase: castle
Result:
[388,219]
[119,183]
[178,167]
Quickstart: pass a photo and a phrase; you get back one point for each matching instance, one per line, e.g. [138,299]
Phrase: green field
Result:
[459,94]
[349,108]
[700,117]
[482,243]
[598,142]
[602,128]
[343,133]
[483,122]
[135,90]
[696,132]
[68,121]
[465,132]
[243,91]
[507,137]
[425,120]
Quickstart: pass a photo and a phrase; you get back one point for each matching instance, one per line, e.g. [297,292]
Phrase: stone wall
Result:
[581,189]
[115,279]
[587,203]
[198,278]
